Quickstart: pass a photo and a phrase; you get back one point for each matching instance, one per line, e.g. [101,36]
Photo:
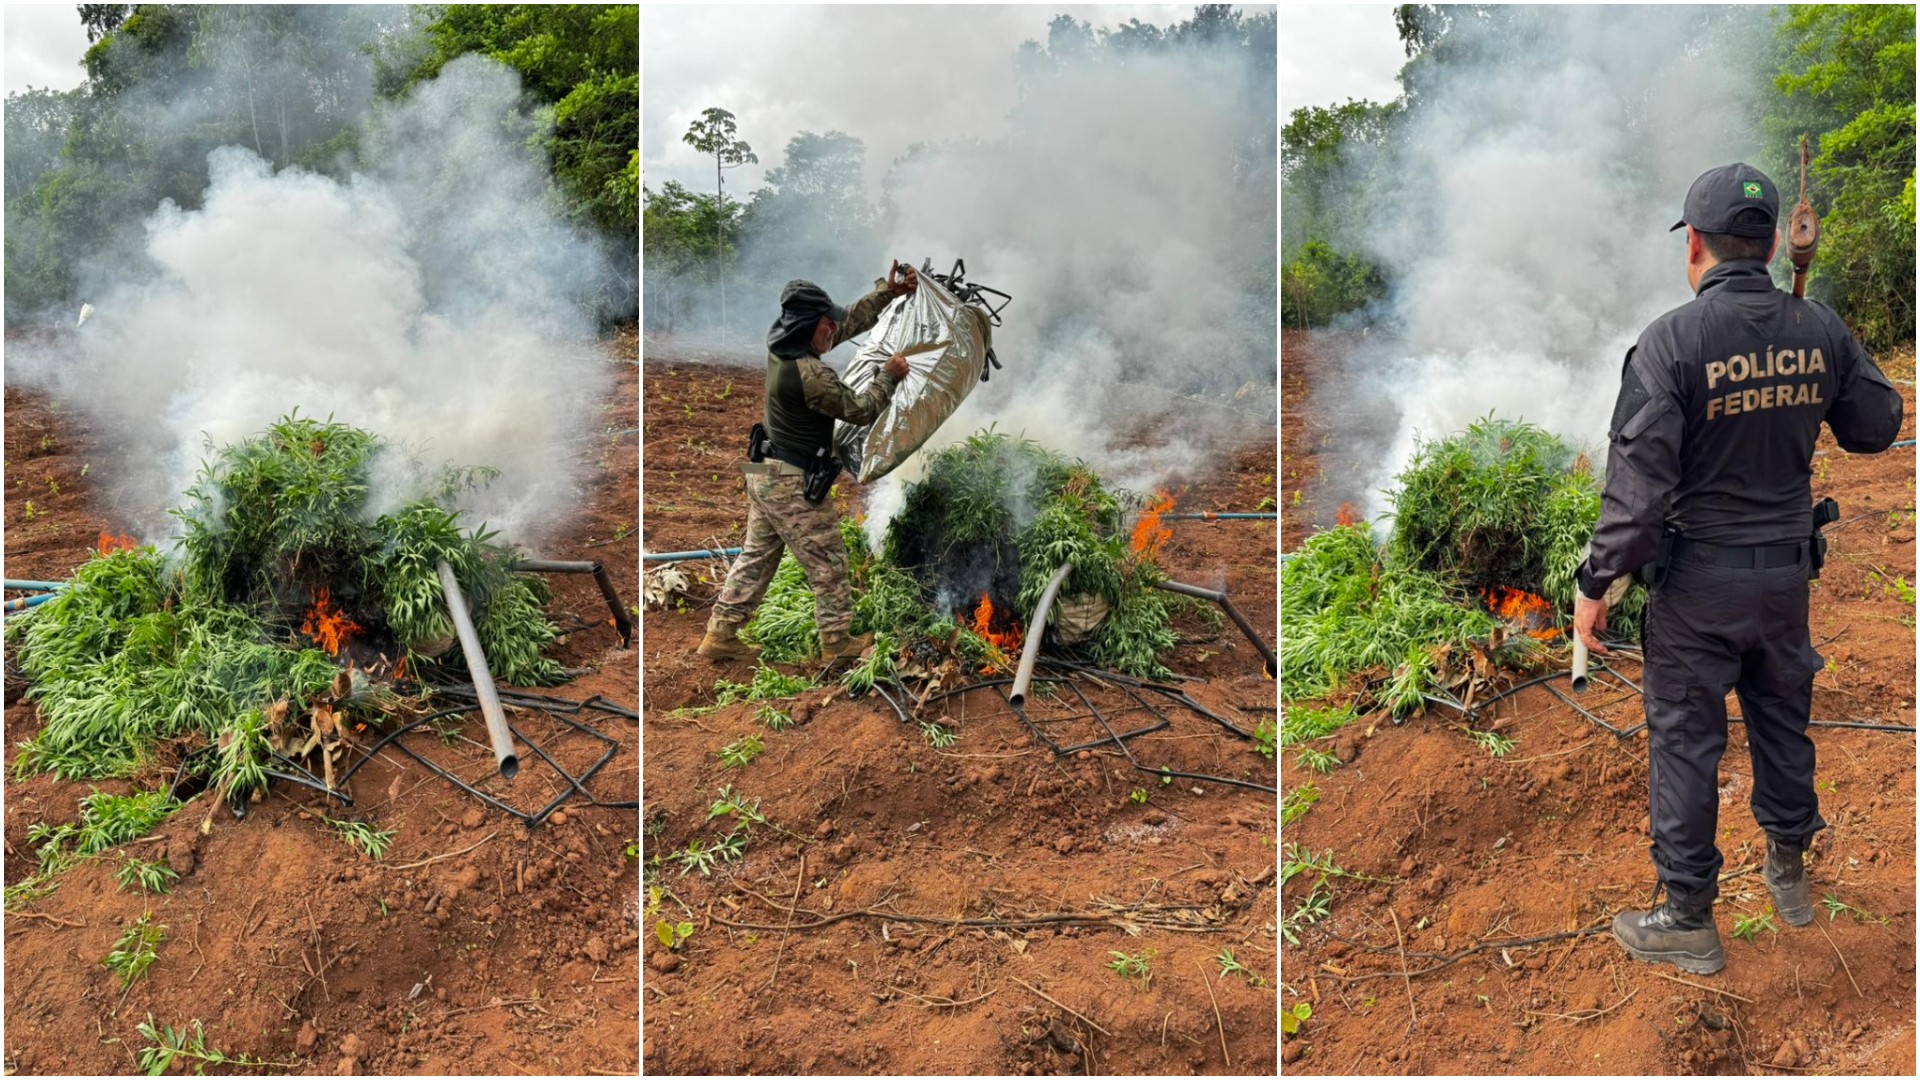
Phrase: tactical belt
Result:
[797,460]
[1766,557]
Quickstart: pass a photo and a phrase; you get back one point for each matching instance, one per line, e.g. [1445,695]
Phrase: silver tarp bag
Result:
[945,342]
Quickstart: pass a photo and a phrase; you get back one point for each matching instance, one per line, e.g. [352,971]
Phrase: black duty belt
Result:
[791,457]
[1765,557]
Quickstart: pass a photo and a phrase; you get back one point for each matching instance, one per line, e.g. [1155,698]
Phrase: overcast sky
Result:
[891,75]
[44,43]
[1330,53]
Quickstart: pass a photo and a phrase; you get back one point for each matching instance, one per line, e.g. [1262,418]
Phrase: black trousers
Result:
[1710,629]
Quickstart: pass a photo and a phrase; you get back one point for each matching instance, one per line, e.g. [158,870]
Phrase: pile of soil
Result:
[1469,849]
[476,945]
[992,826]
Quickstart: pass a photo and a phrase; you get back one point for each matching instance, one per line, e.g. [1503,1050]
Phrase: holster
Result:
[1825,513]
[1655,570]
[757,443]
[821,472]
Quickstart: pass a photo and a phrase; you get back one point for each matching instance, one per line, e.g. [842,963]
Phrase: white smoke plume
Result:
[1522,213]
[433,299]
[1124,212]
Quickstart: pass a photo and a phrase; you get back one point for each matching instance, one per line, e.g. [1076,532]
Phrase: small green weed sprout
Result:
[1747,927]
[1299,725]
[1138,796]
[1133,966]
[1263,738]
[732,802]
[1312,908]
[937,736]
[1836,907]
[1295,804]
[740,754]
[672,934]
[169,1044]
[773,718]
[1296,860]
[148,877]
[767,684]
[1291,1020]
[359,834]
[1231,966]
[1492,742]
[136,950]
[1320,761]
[696,856]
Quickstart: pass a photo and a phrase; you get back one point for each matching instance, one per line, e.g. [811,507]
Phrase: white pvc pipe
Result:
[483,689]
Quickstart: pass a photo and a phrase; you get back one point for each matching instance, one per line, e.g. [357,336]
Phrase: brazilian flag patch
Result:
[1751,189]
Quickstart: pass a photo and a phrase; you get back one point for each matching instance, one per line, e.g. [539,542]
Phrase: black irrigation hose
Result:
[1173,693]
[621,623]
[310,782]
[897,708]
[1164,722]
[575,785]
[1219,598]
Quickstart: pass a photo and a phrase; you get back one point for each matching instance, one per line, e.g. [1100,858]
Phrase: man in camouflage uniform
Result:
[804,398]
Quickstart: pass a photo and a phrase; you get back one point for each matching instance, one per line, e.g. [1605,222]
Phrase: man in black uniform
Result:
[1710,463]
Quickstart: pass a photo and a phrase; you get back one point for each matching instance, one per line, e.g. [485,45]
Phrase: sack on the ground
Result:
[946,344]
[1075,618]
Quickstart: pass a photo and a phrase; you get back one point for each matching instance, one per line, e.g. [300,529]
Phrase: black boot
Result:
[1786,876]
[1680,932]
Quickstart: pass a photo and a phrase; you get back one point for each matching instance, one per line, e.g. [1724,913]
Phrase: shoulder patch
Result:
[1637,405]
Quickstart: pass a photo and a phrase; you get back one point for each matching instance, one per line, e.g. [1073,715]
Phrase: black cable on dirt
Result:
[1131,760]
[560,710]
[1126,683]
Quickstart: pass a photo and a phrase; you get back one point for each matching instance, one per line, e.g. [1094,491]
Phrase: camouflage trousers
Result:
[780,518]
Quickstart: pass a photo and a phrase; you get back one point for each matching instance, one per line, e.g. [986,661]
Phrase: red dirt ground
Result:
[1470,849]
[515,956]
[993,826]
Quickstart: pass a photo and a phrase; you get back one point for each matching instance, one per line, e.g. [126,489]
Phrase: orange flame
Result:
[1346,516]
[1004,642]
[1531,615]
[1149,534]
[327,625]
[112,542]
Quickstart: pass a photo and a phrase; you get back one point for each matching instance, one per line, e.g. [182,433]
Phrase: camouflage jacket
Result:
[805,396]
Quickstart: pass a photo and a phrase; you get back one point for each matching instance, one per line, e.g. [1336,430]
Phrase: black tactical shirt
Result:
[1720,403]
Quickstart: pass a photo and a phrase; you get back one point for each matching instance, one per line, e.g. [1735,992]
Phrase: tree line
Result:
[706,242]
[166,84]
[1842,74]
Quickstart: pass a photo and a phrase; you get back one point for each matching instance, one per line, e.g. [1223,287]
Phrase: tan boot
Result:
[844,646]
[723,643]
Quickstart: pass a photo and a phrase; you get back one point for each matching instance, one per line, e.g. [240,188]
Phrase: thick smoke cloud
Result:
[432,299]
[1126,201]
[1523,212]
[1118,215]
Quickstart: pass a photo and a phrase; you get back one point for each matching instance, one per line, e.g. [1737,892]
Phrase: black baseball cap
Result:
[807,300]
[1720,194]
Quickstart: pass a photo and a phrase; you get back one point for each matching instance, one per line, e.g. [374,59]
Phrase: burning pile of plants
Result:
[970,552]
[1489,526]
[293,600]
